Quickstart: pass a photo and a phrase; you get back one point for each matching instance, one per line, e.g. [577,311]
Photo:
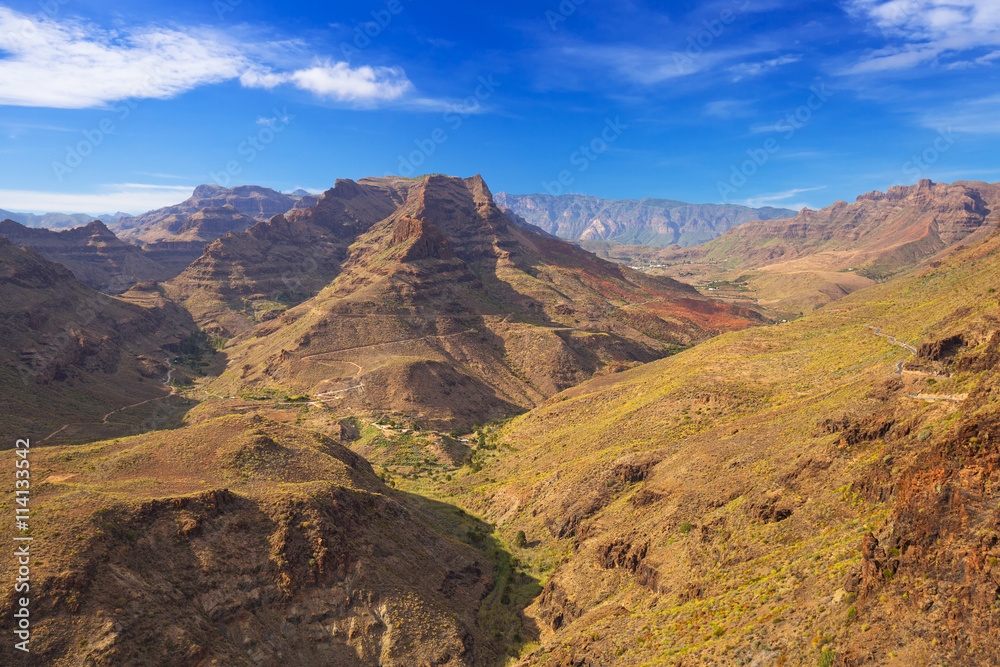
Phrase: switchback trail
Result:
[309,357]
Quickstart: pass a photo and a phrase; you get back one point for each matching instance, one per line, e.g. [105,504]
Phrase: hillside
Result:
[72,356]
[447,313]
[240,541]
[92,252]
[801,263]
[651,222]
[809,493]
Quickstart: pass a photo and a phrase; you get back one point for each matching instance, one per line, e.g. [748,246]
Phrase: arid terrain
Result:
[455,440]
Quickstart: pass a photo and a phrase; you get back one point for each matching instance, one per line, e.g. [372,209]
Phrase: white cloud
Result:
[128,197]
[339,82]
[923,31]
[73,65]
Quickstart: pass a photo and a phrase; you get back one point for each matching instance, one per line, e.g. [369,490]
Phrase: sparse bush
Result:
[826,658]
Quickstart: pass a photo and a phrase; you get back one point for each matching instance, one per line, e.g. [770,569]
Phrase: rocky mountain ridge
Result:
[651,222]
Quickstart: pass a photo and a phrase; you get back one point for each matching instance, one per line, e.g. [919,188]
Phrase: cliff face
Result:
[653,222]
[92,252]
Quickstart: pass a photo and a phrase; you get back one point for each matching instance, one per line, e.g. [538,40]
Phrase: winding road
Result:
[312,358]
[892,339]
[104,420]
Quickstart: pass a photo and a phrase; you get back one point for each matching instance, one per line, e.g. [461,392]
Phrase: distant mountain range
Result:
[220,210]
[652,222]
[58,220]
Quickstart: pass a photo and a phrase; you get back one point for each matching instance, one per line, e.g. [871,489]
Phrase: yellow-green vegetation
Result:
[734,427]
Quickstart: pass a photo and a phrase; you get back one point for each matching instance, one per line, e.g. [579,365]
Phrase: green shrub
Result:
[685,528]
[826,658]
[520,540]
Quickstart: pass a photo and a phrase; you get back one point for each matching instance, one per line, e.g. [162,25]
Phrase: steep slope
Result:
[253,275]
[449,313]
[819,492]
[806,261]
[652,222]
[70,354]
[93,253]
[239,541]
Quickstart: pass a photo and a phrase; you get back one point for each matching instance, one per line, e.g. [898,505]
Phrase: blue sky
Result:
[128,106]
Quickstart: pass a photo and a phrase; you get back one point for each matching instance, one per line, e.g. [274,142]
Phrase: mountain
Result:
[817,492]
[249,276]
[175,236]
[249,201]
[817,256]
[92,252]
[423,299]
[55,220]
[71,355]
[652,222]
[241,541]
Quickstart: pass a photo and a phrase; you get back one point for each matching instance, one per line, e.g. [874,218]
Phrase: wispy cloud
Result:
[127,197]
[744,70]
[780,199]
[977,116]
[650,66]
[728,109]
[75,65]
[923,31]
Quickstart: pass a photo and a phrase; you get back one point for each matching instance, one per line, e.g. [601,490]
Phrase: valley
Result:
[464,442]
